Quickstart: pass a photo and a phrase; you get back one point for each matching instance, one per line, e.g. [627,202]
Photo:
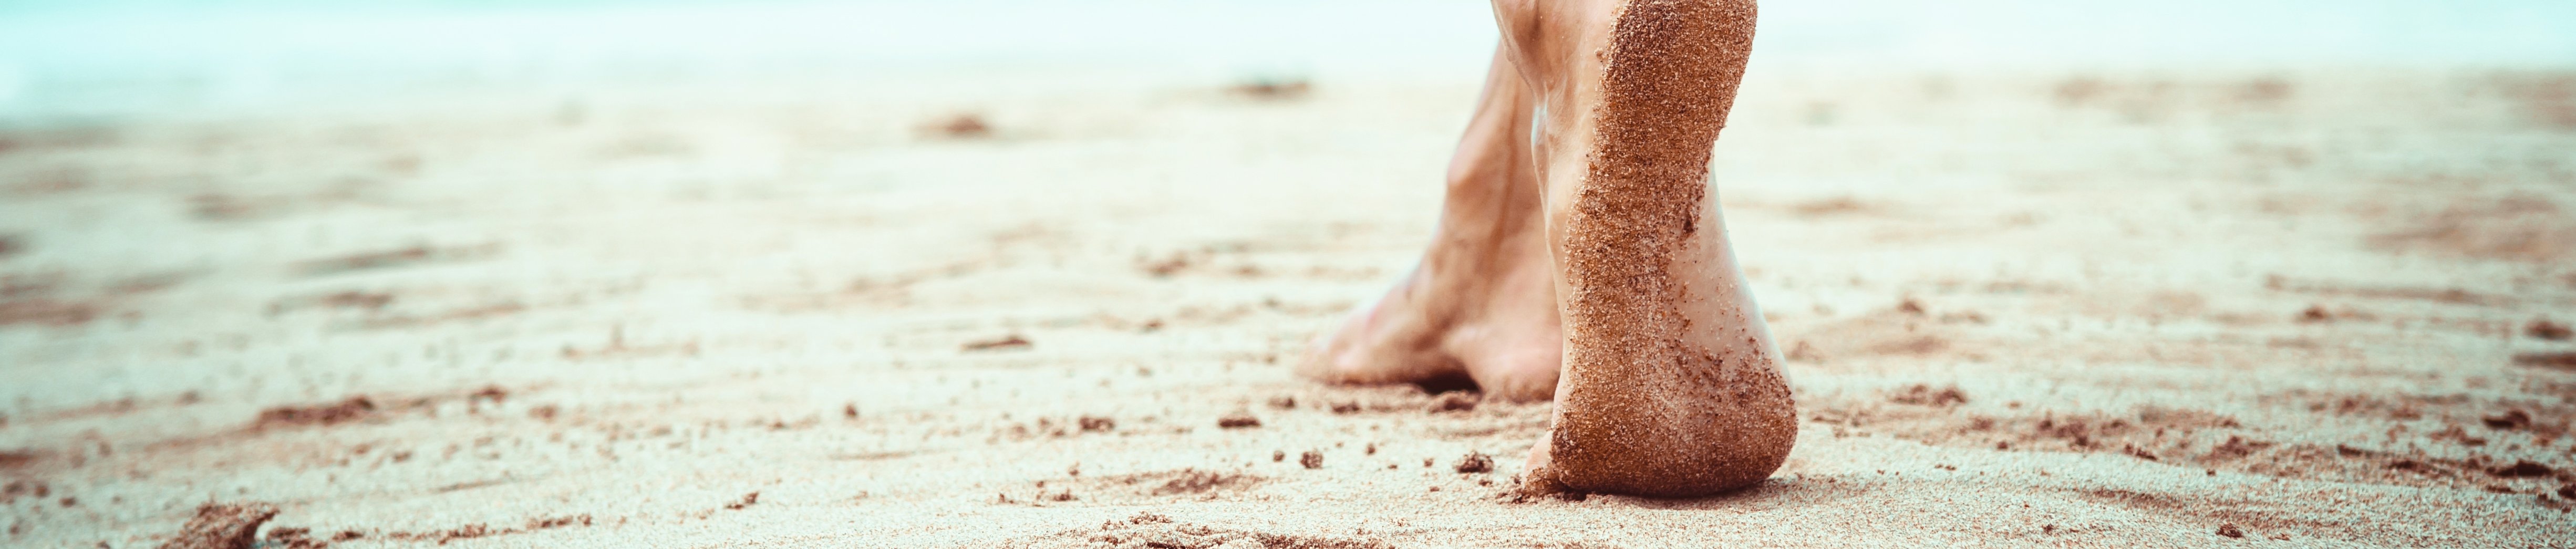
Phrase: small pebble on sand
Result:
[1476,462]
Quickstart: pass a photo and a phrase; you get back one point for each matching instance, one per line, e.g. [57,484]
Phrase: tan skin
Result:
[1675,393]
[1482,304]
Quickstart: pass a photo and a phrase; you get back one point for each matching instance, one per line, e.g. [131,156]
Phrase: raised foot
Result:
[1671,386]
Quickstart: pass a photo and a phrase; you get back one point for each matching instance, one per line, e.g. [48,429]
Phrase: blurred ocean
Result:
[76,59]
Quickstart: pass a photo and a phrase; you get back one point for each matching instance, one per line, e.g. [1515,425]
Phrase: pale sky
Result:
[57,51]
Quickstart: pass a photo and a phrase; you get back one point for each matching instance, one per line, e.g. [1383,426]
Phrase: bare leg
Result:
[1598,248]
[1482,303]
[1671,384]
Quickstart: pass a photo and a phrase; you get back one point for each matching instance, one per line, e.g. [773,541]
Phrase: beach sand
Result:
[2019,309]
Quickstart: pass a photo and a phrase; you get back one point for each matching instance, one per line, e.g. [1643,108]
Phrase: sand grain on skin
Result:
[1649,408]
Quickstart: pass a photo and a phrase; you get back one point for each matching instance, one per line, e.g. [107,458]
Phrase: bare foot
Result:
[1591,262]
[1482,304]
[1671,384]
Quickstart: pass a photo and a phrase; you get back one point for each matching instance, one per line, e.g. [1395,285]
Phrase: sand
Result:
[2017,310]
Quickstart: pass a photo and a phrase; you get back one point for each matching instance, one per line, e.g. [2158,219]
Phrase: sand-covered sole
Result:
[1662,400]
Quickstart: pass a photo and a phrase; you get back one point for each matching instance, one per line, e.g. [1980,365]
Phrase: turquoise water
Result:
[112,56]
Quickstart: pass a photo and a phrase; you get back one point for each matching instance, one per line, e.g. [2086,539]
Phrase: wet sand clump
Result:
[223,526]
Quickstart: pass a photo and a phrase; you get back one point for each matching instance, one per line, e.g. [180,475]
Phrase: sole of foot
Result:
[1671,386]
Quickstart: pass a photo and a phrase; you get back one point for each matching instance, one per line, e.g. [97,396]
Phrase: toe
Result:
[1536,477]
[1361,353]
[1538,452]
[1338,356]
